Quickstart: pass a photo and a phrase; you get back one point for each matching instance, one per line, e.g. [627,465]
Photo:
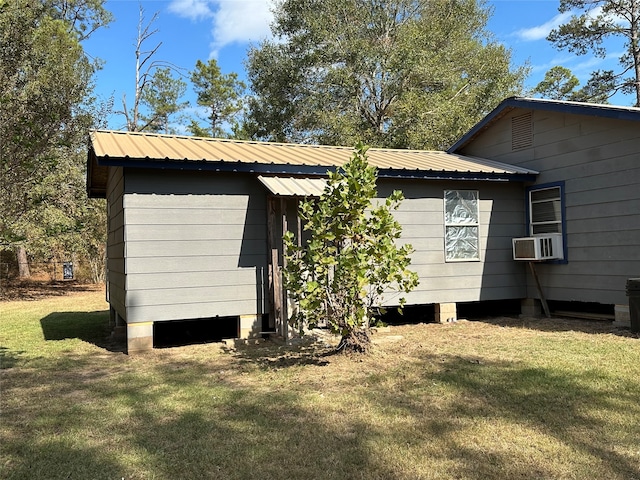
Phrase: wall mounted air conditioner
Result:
[539,247]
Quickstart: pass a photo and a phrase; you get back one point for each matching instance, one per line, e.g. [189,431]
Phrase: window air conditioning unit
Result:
[539,247]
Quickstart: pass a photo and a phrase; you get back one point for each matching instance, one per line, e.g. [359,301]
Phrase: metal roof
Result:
[144,150]
[562,106]
[134,145]
[294,187]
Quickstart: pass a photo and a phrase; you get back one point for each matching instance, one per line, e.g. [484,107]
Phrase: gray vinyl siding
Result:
[115,241]
[599,161]
[495,277]
[195,245]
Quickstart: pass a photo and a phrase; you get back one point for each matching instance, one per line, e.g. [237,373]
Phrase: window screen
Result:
[462,222]
[545,210]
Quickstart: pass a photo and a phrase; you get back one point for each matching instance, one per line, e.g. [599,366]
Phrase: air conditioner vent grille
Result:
[526,248]
[539,247]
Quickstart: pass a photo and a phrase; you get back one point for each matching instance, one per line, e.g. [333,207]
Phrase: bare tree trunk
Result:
[23,264]
[142,57]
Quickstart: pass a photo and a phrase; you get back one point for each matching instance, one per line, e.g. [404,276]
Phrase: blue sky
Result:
[192,30]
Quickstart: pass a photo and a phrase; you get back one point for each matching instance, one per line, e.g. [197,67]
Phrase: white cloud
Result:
[192,9]
[233,21]
[557,60]
[540,32]
[241,21]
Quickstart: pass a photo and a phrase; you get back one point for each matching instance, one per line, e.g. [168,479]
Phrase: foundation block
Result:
[139,337]
[446,312]
[250,326]
[622,316]
[530,307]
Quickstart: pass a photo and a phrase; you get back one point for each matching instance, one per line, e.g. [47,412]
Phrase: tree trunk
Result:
[356,341]
[23,264]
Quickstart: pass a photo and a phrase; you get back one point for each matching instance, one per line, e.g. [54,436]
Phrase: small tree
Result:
[560,83]
[161,96]
[352,258]
[221,95]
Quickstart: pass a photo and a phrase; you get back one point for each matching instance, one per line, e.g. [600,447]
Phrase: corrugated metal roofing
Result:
[109,145]
[294,187]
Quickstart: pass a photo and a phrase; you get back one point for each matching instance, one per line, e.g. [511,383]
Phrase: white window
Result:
[545,210]
[462,225]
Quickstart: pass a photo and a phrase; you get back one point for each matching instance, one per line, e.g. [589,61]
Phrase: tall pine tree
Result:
[595,22]
[220,95]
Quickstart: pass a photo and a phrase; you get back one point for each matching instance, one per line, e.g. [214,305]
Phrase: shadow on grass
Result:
[185,422]
[9,358]
[218,419]
[58,460]
[91,327]
[565,406]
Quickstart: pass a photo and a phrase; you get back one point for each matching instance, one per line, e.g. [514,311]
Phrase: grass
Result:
[493,399]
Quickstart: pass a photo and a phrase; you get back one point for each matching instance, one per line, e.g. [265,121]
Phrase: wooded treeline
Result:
[389,73]
[47,109]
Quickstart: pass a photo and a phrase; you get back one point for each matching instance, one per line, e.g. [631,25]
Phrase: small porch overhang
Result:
[293,186]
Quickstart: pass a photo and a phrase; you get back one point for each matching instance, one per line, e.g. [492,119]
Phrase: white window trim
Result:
[472,224]
[559,222]
[563,216]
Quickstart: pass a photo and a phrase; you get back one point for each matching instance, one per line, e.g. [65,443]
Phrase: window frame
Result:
[446,226]
[563,217]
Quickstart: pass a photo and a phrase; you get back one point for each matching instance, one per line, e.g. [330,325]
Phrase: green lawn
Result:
[498,399]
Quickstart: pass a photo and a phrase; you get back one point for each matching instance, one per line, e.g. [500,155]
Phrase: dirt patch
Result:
[38,289]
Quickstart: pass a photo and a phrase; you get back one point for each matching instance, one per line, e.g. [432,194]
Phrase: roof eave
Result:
[306,170]
[95,188]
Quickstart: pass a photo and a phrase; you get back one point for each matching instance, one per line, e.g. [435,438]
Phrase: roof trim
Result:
[306,170]
[109,148]
[576,108]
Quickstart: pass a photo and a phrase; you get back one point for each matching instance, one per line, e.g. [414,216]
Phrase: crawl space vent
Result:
[521,131]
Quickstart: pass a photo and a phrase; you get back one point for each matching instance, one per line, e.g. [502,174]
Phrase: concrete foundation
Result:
[250,326]
[530,307]
[139,337]
[622,316]
[446,312]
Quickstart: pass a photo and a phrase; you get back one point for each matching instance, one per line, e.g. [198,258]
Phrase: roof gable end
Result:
[576,108]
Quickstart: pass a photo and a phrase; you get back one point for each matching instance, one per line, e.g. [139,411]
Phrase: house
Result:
[195,224]
[587,191]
